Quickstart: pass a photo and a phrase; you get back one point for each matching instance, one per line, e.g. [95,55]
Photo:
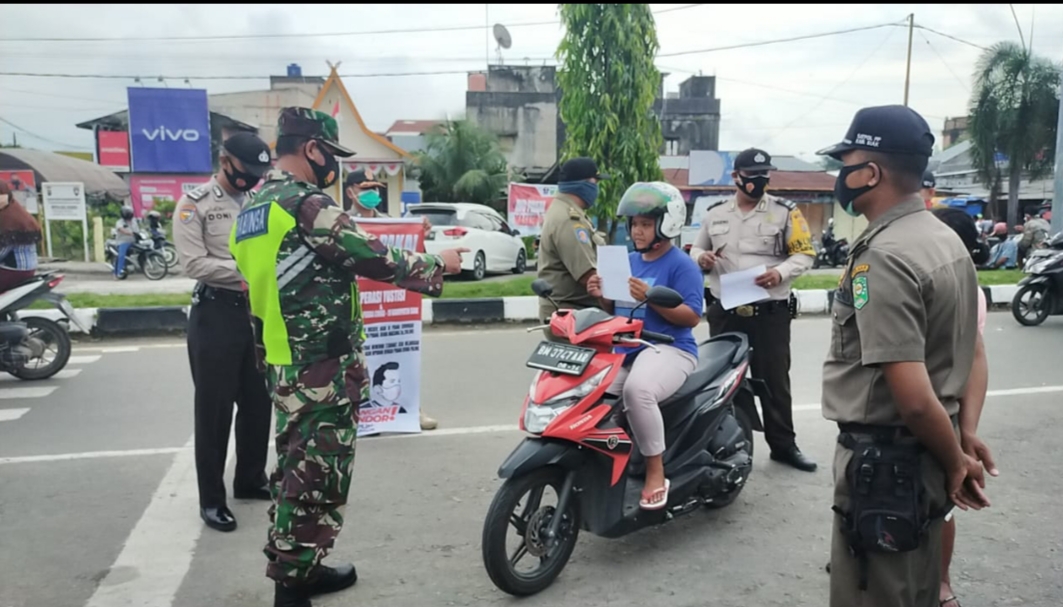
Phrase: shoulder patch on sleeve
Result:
[583,235]
[186,212]
[860,269]
[199,193]
[861,294]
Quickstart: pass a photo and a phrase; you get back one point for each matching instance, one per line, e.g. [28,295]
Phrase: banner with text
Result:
[393,345]
[527,206]
[24,188]
[169,130]
[112,150]
[147,190]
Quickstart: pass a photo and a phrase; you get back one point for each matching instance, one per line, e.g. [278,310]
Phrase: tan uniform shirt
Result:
[909,294]
[203,220]
[774,234]
[568,249]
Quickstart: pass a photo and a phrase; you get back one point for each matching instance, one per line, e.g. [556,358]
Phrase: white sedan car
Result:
[493,246]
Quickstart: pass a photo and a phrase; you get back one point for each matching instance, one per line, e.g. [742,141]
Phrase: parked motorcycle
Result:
[831,252]
[581,443]
[1040,293]
[24,343]
[159,243]
[141,256]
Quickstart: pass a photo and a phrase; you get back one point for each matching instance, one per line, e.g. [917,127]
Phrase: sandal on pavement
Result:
[951,599]
[648,505]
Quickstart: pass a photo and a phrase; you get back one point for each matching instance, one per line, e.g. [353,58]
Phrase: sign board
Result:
[169,130]
[527,206]
[148,190]
[392,317]
[65,201]
[23,186]
[112,150]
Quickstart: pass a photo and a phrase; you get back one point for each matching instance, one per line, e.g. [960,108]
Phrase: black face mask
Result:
[326,174]
[240,180]
[760,183]
[846,195]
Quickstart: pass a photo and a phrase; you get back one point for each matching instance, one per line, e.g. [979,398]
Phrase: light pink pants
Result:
[652,378]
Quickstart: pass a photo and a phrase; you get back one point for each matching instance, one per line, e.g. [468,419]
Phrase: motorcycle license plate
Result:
[561,358]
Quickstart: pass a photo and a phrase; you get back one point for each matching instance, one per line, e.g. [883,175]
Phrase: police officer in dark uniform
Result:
[905,322]
[221,344]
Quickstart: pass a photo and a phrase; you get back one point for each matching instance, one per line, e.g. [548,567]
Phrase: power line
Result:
[36,136]
[950,37]
[945,63]
[415,30]
[780,40]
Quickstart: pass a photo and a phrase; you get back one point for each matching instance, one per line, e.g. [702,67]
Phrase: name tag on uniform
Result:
[252,222]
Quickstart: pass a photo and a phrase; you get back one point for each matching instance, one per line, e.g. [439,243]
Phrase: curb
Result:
[129,322]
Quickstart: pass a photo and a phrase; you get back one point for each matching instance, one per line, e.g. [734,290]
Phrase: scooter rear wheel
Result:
[52,337]
[535,520]
[1039,302]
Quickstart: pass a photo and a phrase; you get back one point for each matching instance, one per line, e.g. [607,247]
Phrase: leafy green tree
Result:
[609,83]
[461,163]
[1014,107]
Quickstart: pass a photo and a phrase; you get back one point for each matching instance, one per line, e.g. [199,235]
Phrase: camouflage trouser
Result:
[317,421]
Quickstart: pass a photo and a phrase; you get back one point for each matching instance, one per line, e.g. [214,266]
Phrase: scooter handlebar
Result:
[661,337]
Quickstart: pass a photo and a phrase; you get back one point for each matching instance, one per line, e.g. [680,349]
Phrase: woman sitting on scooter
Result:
[655,214]
[19,235]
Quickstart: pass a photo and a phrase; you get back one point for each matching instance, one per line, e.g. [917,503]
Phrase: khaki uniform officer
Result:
[904,329]
[752,229]
[568,245]
[221,343]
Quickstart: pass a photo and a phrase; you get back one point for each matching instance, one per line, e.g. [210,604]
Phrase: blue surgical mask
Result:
[585,190]
[369,199]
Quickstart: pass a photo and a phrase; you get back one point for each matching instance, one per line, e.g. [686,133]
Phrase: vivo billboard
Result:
[169,130]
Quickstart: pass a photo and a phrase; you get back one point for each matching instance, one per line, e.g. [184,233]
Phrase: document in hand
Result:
[614,266]
[740,288]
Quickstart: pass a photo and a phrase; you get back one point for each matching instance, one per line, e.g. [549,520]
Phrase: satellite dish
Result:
[503,39]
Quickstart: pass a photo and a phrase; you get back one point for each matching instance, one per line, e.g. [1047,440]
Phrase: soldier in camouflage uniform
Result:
[300,255]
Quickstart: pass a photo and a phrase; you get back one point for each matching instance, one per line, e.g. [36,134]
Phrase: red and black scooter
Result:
[581,446]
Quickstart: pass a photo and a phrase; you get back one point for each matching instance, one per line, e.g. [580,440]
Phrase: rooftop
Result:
[414,127]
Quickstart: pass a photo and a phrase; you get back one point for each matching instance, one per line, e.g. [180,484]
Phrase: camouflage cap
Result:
[305,122]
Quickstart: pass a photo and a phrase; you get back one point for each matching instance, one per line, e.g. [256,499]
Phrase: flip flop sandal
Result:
[645,505]
[948,600]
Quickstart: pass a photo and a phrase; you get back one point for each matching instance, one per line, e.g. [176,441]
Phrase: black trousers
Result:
[221,353]
[769,337]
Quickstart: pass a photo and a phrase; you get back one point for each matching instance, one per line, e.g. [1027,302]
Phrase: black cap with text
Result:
[889,129]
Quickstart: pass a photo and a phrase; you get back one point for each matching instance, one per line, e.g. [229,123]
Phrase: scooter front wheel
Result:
[531,519]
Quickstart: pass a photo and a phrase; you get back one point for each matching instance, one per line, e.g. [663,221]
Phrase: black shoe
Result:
[221,518]
[291,596]
[794,457]
[259,493]
[325,579]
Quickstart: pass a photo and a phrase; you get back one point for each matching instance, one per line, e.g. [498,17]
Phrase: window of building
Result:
[671,147]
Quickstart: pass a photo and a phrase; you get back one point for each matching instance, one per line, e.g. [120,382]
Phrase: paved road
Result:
[98,503]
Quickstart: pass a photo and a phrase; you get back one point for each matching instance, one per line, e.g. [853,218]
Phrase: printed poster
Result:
[527,205]
[147,190]
[393,346]
[23,187]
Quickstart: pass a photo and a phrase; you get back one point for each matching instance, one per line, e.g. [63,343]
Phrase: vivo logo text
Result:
[162,133]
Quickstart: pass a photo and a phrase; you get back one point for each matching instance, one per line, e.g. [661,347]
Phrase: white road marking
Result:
[144,575]
[64,374]
[83,360]
[66,457]
[11,393]
[120,349]
[7,415]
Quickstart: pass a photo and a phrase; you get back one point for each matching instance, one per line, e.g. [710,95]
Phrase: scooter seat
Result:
[714,357]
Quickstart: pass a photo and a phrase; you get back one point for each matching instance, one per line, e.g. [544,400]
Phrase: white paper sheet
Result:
[739,288]
[615,269]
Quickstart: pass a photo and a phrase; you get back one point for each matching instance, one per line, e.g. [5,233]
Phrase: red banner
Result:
[383,302]
[24,186]
[112,150]
[527,206]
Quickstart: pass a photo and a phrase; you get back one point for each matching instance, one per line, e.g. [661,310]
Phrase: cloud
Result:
[794,97]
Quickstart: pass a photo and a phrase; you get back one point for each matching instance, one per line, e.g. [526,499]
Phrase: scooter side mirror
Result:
[542,288]
[664,297]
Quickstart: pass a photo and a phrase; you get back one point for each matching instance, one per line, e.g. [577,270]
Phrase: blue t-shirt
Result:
[674,270]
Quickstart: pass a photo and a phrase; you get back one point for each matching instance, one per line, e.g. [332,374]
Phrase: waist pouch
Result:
[888,510]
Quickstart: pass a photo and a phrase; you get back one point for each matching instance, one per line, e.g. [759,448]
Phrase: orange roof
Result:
[335,78]
[795,181]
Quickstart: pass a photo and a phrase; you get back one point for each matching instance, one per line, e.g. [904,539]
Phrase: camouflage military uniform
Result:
[307,312]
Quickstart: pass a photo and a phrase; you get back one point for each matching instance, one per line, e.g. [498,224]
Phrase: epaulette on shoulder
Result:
[199,193]
[789,204]
[713,205]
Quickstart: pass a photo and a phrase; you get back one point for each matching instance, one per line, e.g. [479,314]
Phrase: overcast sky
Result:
[790,97]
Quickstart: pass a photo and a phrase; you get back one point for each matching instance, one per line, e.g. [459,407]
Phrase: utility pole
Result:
[908,67]
[1057,197]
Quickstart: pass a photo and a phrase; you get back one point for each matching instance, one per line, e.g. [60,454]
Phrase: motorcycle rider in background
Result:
[126,230]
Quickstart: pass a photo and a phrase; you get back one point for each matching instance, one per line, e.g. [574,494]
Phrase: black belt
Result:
[879,431]
[758,309]
[206,292]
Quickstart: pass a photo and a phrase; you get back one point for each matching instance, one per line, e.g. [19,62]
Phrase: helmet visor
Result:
[643,199]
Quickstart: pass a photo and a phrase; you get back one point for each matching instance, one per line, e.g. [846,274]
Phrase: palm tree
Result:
[1014,107]
[461,163]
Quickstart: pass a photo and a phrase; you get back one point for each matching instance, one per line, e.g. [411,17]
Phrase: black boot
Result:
[291,596]
[325,579]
